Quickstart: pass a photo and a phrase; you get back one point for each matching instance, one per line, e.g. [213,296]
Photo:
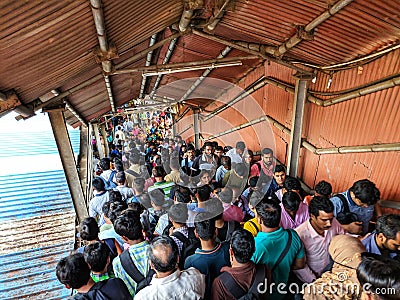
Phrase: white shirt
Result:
[183,285]
[235,157]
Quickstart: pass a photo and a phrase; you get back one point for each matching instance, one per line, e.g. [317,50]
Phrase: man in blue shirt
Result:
[361,198]
[212,256]
[385,240]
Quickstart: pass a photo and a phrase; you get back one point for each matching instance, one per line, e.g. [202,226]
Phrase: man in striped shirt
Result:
[128,226]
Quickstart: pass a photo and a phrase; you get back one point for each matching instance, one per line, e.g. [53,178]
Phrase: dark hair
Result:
[226,161]
[104,163]
[120,177]
[112,209]
[208,144]
[240,145]
[270,213]
[323,188]
[138,184]
[174,163]
[119,165]
[219,148]
[96,255]
[227,148]
[291,201]
[214,207]
[134,158]
[73,271]
[380,274]
[291,184]
[114,195]
[366,191]
[179,213]
[267,151]
[243,245]
[241,169]
[159,171]
[279,169]
[89,229]
[318,203]
[203,192]
[98,184]
[182,194]
[253,181]
[190,147]
[205,229]
[167,258]
[128,224]
[388,225]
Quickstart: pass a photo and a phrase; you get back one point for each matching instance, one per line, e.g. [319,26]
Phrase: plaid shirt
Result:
[138,254]
[185,232]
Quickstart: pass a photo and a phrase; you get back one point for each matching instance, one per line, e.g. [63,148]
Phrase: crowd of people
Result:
[169,221]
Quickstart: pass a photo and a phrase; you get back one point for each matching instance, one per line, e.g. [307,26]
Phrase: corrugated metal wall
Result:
[370,119]
[37,218]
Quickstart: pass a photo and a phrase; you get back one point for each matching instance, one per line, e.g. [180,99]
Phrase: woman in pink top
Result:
[294,211]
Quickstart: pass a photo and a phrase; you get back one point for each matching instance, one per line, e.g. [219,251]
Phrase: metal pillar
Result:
[104,134]
[300,97]
[98,140]
[83,157]
[196,127]
[63,142]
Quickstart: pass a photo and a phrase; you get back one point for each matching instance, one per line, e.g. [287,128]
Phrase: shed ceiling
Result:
[49,45]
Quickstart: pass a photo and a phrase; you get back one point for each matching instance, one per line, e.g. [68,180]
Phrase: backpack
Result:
[254,225]
[189,245]
[238,292]
[109,184]
[229,231]
[105,290]
[133,272]
[345,217]
[149,223]
[133,173]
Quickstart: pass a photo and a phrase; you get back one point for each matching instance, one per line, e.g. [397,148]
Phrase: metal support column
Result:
[63,142]
[104,134]
[196,127]
[300,97]
[98,140]
[83,157]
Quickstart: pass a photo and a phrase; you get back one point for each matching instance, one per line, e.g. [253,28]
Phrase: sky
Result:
[27,163]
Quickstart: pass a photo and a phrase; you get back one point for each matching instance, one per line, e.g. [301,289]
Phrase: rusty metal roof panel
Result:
[269,22]
[129,23]
[358,29]
[40,40]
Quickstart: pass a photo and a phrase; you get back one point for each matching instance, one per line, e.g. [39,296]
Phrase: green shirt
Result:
[100,277]
[269,247]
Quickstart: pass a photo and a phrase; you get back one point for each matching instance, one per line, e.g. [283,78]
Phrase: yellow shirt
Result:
[249,226]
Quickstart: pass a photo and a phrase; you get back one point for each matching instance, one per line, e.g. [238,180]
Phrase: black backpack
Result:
[131,269]
[229,232]
[345,217]
[105,290]
[238,292]
[189,245]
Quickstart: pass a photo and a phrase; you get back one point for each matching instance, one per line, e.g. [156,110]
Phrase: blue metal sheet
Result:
[37,220]
[34,143]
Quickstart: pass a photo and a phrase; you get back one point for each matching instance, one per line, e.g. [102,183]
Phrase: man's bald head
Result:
[163,254]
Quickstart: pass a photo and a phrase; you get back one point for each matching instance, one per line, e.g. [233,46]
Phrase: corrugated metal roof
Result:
[48,45]
[37,219]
